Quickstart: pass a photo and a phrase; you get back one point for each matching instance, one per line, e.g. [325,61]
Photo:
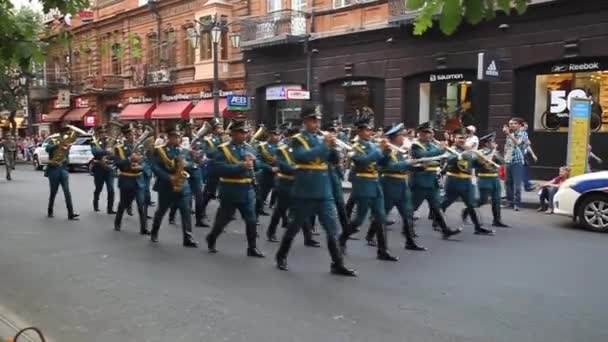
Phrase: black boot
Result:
[410,242]
[73,217]
[201,223]
[272,227]
[211,243]
[281,256]
[155,226]
[309,241]
[110,206]
[130,211]
[143,222]
[118,218]
[479,230]
[383,252]
[251,231]
[445,231]
[464,215]
[497,221]
[95,203]
[371,234]
[337,262]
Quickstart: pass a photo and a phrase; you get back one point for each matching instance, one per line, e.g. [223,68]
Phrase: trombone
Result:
[449,149]
[485,159]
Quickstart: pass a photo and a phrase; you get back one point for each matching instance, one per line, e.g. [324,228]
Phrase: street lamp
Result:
[215,28]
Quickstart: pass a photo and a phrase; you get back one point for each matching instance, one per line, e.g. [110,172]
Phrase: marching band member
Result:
[267,160]
[234,163]
[57,172]
[285,179]
[147,170]
[488,182]
[366,191]
[169,166]
[102,172]
[210,147]
[336,174]
[425,185]
[130,180]
[396,189]
[311,193]
[459,183]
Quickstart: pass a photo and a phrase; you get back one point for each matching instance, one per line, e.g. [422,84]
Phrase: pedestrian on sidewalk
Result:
[515,146]
[10,153]
[549,189]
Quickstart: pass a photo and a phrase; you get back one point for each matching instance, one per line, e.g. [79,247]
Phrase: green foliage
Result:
[452,12]
[135,46]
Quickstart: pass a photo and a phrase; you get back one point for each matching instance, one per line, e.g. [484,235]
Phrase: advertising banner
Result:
[579,132]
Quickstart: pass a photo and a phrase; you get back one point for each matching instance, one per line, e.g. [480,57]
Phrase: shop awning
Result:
[55,115]
[172,110]
[137,111]
[204,109]
[76,114]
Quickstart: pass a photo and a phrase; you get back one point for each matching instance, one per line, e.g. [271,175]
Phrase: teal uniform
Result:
[102,174]
[147,174]
[488,183]
[58,175]
[195,181]
[266,156]
[163,165]
[212,180]
[395,186]
[425,185]
[337,176]
[235,190]
[131,186]
[366,189]
[311,194]
[459,184]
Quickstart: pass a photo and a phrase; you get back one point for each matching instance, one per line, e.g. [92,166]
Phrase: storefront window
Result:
[446,100]
[348,100]
[555,91]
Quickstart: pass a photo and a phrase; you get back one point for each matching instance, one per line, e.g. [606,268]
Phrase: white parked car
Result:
[585,199]
[80,155]
[1,155]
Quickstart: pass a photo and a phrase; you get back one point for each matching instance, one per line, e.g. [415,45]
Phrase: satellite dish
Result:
[67,19]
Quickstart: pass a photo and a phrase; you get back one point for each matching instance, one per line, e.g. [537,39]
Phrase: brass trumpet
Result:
[449,149]
[339,142]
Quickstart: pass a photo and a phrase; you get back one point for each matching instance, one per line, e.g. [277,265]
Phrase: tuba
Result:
[258,134]
[113,134]
[148,133]
[200,134]
[65,140]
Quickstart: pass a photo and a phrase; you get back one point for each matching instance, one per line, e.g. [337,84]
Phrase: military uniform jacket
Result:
[482,169]
[311,156]
[336,174]
[51,149]
[394,177]
[127,175]
[460,167]
[266,155]
[163,166]
[287,169]
[210,145]
[425,177]
[99,152]
[236,181]
[365,180]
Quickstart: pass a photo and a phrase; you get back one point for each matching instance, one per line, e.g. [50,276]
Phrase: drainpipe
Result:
[308,52]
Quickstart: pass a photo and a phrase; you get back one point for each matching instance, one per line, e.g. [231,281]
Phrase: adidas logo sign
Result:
[492,70]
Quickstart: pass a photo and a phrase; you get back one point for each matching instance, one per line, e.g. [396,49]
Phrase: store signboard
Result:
[279,92]
[592,65]
[579,131]
[238,102]
[81,103]
[354,83]
[446,77]
[488,66]
[90,121]
[293,94]
[140,99]
[63,99]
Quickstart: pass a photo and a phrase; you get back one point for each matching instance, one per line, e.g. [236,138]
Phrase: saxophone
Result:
[65,140]
[179,176]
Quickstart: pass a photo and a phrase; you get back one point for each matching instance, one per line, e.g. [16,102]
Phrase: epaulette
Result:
[224,144]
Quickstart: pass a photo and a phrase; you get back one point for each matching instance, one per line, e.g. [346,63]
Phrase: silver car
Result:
[80,155]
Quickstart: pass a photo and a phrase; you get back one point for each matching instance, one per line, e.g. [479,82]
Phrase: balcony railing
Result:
[156,76]
[104,83]
[280,27]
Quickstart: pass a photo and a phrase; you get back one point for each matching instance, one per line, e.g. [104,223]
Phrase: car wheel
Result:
[37,165]
[593,213]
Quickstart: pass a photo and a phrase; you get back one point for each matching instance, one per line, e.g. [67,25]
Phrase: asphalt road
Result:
[543,280]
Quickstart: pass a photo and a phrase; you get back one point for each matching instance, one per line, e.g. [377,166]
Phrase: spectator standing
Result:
[549,189]
[10,153]
[471,141]
[515,147]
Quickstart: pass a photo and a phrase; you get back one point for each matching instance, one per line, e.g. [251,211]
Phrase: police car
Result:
[585,199]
